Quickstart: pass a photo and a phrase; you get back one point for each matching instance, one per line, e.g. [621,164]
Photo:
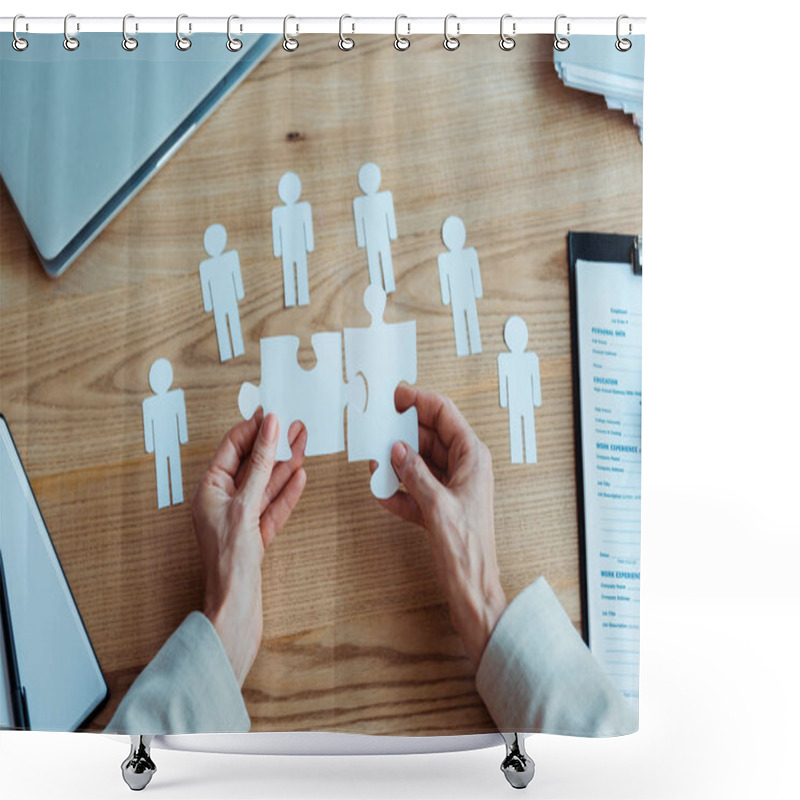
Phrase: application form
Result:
[609,326]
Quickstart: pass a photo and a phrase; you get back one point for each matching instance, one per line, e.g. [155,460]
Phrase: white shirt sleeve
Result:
[537,676]
[188,687]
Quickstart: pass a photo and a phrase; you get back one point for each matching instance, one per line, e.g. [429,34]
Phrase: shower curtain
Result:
[273,266]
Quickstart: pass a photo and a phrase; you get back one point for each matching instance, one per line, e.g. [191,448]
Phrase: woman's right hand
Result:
[449,491]
[241,503]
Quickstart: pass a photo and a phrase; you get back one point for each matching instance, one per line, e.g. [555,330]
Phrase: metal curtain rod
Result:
[351,25]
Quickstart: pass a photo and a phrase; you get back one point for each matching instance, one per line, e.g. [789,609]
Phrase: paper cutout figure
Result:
[317,396]
[221,280]
[520,389]
[165,431]
[460,282]
[292,239]
[385,355]
[375,226]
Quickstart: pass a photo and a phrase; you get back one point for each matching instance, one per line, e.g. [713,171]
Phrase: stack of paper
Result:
[593,64]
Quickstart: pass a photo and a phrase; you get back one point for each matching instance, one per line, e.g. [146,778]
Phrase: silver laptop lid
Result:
[81,132]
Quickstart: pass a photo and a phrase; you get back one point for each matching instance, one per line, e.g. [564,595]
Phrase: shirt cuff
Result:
[537,675]
[188,687]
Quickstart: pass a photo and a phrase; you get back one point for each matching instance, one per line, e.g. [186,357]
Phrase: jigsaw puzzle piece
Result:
[383,354]
[275,392]
[320,396]
[316,397]
[380,432]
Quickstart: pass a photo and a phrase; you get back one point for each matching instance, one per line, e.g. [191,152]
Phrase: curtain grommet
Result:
[71,43]
[233,44]
[345,42]
[290,43]
[183,43]
[17,42]
[129,43]
[623,45]
[451,43]
[401,43]
[507,42]
[560,43]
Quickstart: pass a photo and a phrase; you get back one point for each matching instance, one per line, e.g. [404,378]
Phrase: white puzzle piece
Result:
[520,390]
[293,239]
[375,226]
[316,397]
[221,280]
[384,355]
[164,416]
[460,282]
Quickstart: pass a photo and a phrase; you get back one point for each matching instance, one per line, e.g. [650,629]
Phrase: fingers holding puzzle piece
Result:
[377,357]
[317,397]
[385,354]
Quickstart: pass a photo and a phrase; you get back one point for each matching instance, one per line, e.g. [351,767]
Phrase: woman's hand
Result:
[449,491]
[242,502]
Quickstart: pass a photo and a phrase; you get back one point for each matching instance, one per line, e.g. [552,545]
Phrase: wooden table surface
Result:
[357,635]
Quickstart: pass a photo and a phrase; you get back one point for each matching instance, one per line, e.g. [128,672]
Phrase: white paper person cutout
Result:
[520,390]
[292,238]
[375,226]
[221,279]
[460,281]
[165,431]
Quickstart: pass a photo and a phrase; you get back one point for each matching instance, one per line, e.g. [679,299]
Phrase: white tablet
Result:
[56,662]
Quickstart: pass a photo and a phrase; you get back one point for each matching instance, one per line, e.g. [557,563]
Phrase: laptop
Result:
[82,132]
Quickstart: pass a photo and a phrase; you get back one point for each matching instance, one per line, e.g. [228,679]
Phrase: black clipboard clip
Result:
[614,247]
[636,255]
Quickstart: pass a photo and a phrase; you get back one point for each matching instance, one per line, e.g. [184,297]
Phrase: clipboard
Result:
[601,248]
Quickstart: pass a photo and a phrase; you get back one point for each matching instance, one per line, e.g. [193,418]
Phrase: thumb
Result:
[262,460]
[415,475]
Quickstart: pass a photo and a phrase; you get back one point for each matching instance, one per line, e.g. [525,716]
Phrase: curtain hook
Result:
[129,43]
[451,42]
[345,42]
[18,43]
[560,43]
[181,41]
[623,45]
[507,42]
[233,44]
[290,44]
[70,42]
[401,42]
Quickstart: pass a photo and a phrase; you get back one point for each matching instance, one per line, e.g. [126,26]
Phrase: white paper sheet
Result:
[609,304]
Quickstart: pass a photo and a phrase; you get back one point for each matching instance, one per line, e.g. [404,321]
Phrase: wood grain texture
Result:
[357,636]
